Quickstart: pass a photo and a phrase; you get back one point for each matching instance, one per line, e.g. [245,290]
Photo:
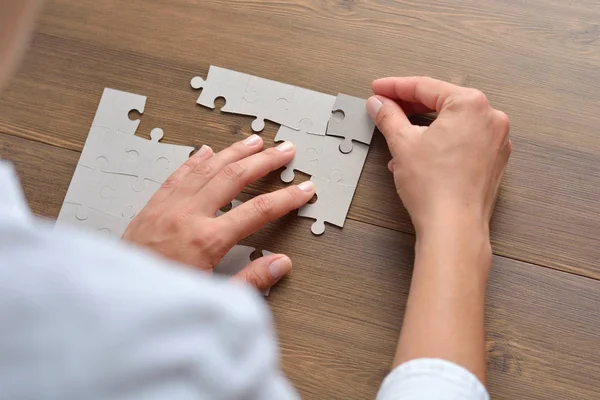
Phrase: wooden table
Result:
[339,313]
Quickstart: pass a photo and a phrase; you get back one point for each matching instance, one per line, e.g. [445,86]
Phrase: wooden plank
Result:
[44,171]
[339,313]
[538,60]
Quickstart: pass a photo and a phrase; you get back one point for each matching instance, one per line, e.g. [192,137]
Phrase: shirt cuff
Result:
[431,379]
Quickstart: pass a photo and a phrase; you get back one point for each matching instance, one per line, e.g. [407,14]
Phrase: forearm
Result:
[445,312]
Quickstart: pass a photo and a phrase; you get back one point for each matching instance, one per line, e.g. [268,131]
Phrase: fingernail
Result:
[252,140]
[280,267]
[204,151]
[285,146]
[373,106]
[307,186]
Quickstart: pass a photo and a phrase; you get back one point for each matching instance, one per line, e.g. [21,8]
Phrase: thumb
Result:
[391,121]
[264,272]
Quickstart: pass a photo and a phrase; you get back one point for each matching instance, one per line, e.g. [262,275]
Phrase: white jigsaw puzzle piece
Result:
[221,82]
[332,205]
[310,111]
[320,156]
[113,111]
[356,124]
[104,144]
[92,188]
[150,160]
[267,100]
[94,220]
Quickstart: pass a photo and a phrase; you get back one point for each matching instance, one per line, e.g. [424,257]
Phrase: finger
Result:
[180,173]
[411,109]
[249,217]
[385,87]
[391,122]
[234,177]
[266,271]
[429,92]
[203,172]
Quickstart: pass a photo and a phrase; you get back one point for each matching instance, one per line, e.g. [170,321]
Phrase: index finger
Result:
[252,215]
[419,90]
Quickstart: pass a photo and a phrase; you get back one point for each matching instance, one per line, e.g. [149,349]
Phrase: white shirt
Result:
[84,318]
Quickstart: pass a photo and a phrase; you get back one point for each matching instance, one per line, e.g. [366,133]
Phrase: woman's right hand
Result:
[447,174]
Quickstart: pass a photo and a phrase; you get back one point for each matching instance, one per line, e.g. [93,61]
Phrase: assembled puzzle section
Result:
[295,107]
[150,160]
[117,172]
[267,100]
[332,134]
[320,156]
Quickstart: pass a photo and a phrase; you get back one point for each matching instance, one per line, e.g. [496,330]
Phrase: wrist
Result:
[456,237]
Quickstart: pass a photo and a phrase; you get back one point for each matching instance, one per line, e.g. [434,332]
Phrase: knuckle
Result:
[174,223]
[502,120]
[172,181]
[234,171]
[264,205]
[150,214]
[257,280]
[203,170]
[476,98]
[292,193]
[206,237]
[238,150]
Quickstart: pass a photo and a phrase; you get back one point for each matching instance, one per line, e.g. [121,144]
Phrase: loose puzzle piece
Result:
[356,124]
[310,111]
[113,111]
[320,156]
[332,205]
[236,260]
[221,82]
[149,160]
[267,99]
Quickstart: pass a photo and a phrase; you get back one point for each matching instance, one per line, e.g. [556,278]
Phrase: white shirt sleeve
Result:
[85,318]
[431,379]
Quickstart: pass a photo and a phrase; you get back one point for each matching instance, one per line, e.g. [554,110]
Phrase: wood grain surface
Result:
[339,313]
